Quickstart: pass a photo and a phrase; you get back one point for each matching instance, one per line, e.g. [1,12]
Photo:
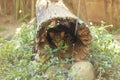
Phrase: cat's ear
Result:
[51,34]
[62,34]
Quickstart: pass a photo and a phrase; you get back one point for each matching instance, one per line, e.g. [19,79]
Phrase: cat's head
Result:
[57,37]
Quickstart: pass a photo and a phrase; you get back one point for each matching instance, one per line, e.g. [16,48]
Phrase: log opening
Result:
[55,16]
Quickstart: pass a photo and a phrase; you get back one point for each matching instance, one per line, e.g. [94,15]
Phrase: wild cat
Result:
[57,37]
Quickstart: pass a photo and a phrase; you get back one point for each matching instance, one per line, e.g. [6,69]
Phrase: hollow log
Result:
[54,12]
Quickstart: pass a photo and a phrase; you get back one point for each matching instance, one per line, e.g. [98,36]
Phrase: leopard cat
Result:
[57,37]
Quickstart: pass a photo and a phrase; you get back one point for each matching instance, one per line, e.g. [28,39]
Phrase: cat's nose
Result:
[58,41]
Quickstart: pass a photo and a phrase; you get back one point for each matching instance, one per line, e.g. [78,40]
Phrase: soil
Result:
[8,26]
[117,37]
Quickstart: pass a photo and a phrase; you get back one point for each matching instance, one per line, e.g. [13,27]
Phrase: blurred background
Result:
[90,10]
[13,12]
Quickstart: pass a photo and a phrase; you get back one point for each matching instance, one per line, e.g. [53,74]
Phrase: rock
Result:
[82,70]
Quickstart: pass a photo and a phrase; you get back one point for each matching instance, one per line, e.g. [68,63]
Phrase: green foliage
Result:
[24,18]
[15,55]
[16,64]
[115,31]
[105,53]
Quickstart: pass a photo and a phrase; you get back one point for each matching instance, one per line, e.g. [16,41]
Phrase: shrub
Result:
[105,53]
[15,56]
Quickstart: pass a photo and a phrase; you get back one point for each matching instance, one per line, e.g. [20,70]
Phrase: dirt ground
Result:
[8,26]
[117,37]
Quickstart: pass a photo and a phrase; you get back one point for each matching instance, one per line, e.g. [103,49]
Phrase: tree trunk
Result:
[108,10]
[32,9]
[1,10]
[116,13]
